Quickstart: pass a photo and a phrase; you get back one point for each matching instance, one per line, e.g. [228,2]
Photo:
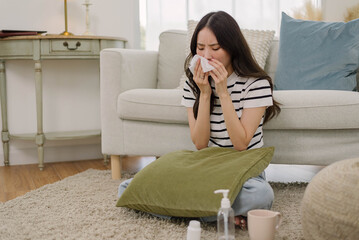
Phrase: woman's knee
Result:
[123,186]
[255,194]
[265,196]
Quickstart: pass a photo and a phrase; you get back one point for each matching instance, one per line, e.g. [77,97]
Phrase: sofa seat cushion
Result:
[316,109]
[154,105]
[301,109]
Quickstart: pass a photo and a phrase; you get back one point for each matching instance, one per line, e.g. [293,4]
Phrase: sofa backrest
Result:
[172,56]
[272,59]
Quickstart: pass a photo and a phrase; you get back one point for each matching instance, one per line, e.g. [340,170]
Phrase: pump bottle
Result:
[194,230]
[225,218]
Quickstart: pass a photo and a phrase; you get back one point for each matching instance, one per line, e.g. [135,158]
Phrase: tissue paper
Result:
[206,67]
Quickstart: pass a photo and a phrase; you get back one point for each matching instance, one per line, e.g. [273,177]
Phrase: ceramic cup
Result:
[263,224]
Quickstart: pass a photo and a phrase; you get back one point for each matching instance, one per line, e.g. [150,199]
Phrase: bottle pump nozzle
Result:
[225,203]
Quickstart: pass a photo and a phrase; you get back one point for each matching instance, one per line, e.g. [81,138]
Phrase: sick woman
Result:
[228,105]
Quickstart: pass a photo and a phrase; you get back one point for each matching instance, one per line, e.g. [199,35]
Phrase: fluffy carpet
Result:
[83,207]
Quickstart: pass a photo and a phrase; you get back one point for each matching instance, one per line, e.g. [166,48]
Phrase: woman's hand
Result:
[201,79]
[219,75]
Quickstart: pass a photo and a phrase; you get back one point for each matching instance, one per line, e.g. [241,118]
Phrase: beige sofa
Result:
[141,112]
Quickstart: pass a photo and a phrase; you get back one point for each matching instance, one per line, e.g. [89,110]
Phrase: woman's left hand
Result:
[219,75]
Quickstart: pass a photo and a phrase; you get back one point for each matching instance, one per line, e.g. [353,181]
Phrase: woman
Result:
[228,105]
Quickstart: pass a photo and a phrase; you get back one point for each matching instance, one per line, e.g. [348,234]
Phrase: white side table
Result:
[38,48]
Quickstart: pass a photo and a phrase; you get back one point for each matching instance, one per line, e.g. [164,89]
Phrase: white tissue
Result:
[206,67]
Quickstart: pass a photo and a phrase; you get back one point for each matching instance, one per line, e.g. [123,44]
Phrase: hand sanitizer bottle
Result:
[194,230]
[225,218]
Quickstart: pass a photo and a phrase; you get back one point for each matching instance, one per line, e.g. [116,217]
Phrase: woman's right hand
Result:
[201,79]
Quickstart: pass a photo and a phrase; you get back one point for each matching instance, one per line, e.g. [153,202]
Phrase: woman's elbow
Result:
[240,146]
[200,145]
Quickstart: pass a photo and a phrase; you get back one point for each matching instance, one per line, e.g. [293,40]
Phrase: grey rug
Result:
[83,207]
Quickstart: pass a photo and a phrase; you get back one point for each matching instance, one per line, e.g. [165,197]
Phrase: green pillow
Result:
[182,183]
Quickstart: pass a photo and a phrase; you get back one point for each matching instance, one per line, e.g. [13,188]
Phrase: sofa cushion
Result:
[171,58]
[316,109]
[301,109]
[155,105]
[317,55]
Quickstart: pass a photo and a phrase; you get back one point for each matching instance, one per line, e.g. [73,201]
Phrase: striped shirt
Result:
[245,93]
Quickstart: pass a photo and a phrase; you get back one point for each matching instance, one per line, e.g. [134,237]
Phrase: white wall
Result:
[119,18]
[70,88]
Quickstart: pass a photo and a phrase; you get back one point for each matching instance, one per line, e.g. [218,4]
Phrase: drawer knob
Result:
[66,44]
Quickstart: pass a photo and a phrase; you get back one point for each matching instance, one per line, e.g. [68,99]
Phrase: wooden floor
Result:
[19,179]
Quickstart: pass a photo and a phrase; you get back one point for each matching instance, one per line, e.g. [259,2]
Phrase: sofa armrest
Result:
[121,70]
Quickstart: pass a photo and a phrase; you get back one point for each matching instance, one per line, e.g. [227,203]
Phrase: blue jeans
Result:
[256,193]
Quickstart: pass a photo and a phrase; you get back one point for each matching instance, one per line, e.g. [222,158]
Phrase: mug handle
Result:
[279,220]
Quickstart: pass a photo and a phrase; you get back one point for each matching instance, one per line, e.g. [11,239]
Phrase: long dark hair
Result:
[231,39]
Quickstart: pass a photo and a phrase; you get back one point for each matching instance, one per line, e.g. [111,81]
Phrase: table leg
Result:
[40,137]
[5,136]
[105,159]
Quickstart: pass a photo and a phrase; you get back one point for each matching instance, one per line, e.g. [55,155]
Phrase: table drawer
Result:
[71,45]
[16,49]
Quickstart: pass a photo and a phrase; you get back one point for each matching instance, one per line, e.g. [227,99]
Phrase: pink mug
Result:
[263,224]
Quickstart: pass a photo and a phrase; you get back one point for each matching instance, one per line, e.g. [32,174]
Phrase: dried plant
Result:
[352,13]
[308,12]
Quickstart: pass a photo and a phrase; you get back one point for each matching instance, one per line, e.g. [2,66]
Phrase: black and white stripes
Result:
[245,93]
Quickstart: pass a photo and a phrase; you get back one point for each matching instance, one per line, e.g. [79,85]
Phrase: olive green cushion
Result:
[182,183]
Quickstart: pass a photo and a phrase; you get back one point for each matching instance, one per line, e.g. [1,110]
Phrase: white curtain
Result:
[159,15]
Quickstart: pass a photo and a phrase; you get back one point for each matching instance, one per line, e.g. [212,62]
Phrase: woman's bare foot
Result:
[241,222]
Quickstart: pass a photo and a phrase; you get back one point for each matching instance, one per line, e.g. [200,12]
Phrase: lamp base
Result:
[66,33]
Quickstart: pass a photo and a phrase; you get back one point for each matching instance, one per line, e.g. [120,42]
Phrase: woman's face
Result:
[208,47]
